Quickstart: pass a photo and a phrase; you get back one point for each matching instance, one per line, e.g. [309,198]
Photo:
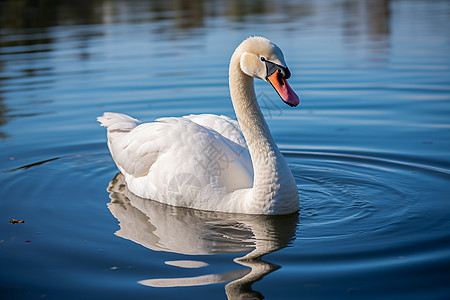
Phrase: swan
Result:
[209,162]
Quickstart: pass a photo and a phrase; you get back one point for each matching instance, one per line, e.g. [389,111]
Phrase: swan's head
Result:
[260,58]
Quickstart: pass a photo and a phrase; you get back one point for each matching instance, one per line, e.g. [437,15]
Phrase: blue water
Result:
[369,148]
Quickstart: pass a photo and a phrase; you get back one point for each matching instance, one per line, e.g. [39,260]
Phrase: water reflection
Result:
[33,33]
[191,232]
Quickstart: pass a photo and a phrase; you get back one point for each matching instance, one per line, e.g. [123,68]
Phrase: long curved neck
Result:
[273,180]
[249,115]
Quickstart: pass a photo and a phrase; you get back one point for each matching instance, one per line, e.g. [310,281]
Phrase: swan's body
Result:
[211,162]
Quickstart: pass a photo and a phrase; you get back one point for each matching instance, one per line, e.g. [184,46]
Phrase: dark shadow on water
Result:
[186,231]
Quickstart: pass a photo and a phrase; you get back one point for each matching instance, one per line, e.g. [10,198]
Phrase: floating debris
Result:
[14,221]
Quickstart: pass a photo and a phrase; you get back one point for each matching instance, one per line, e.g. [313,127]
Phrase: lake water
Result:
[369,148]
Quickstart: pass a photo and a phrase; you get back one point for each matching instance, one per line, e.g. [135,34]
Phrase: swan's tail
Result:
[117,122]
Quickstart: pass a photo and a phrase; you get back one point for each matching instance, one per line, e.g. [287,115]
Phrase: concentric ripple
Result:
[358,212]
[356,194]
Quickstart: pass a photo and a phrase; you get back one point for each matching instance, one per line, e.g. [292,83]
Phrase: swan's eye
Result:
[262,58]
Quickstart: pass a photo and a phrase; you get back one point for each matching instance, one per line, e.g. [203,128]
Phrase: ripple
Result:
[342,194]
[360,212]
[55,190]
[355,194]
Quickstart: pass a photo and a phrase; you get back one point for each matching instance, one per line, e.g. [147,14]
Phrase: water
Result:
[369,148]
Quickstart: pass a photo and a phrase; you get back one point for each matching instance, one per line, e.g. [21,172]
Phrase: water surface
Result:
[368,147]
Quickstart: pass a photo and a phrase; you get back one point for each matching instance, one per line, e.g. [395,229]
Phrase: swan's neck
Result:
[274,188]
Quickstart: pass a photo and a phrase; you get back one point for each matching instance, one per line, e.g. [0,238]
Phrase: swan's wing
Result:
[230,130]
[224,125]
[136,147]
[169,145]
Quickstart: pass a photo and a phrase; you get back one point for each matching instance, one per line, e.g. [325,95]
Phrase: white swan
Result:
[205,161]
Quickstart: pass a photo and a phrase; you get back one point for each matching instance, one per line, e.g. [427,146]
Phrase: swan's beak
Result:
[280,84]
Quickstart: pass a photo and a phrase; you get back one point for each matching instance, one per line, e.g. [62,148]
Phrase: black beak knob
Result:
[272,68]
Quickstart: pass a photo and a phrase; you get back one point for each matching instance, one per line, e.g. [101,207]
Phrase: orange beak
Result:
[283,88]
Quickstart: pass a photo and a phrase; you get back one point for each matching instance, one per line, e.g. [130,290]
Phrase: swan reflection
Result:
[186,231]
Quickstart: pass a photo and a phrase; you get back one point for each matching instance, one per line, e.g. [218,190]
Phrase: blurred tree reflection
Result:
[27,26]
[39,14]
